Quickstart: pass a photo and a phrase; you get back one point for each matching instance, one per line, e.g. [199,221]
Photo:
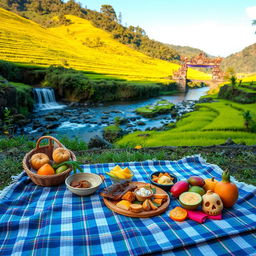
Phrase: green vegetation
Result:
[238,93]
[241,167]
[243,61]
[211,124]
[160,107]
[112,132]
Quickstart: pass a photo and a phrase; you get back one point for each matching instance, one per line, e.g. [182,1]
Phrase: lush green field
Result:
[80,46]
[212,124]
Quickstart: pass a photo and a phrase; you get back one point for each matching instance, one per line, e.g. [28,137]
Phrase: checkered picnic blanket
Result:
[38,220]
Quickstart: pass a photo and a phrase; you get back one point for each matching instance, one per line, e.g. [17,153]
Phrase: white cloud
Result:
[214,38]
[251,12]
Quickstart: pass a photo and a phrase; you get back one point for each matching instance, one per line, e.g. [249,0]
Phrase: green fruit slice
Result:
[112,175]
[61,169]
[190,200]
[197,189]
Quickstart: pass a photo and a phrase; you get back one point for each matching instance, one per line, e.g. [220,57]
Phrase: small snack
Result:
[146,205]
[161,196]
[143,193]
[124,204]
[85,184]
[80,184]
[129,196]
[120,174]
[178,214]
[165,180]
[158,200]
[152,205]
[136,208]
[75,184]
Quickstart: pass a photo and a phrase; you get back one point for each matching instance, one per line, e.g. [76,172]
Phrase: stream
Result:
[85,121]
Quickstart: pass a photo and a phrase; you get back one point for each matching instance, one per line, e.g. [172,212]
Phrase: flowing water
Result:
[85,121]
[45,99]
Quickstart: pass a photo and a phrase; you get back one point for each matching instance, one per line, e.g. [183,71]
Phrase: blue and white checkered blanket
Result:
[44,221]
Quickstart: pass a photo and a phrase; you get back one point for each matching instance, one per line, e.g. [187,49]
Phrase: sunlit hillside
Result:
[80,46]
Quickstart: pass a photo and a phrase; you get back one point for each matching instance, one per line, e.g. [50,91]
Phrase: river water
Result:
[84,122]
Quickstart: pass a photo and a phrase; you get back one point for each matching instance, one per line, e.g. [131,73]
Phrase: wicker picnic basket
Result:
[45,180]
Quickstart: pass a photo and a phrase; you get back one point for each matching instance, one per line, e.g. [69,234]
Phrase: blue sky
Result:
[219,27]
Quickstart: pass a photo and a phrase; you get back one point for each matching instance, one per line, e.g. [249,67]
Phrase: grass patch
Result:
[160,107]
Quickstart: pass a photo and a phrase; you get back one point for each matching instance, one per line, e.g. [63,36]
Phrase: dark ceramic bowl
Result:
[162,186]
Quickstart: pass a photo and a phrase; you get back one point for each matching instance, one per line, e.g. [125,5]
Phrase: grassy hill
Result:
[81,46]
[243,61]
[186,50]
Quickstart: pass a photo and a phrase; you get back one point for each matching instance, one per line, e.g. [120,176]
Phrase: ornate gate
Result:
[180,76]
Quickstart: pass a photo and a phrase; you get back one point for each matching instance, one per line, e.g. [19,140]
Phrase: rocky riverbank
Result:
[92,119]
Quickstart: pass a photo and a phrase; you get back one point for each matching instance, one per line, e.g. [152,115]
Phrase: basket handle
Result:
[50,138]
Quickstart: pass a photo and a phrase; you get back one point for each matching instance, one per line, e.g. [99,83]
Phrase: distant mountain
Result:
[187,50]
[243,61]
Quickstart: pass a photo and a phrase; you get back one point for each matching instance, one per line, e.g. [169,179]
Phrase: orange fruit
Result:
[46,169]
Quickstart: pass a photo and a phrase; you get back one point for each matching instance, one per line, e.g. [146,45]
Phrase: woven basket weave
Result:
[45,180]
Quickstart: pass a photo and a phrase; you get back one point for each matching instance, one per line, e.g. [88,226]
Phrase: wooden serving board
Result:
[144,214]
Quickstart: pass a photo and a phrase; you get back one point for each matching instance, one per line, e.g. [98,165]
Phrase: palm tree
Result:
[247,118]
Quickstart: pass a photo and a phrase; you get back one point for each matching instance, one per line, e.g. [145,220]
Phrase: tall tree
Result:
[254,23]
[109,11]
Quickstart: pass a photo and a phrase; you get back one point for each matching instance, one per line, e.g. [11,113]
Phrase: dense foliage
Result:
[75,85]
[43,12]
[243,61]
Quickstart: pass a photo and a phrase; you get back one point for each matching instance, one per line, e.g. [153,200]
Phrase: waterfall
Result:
[45,99]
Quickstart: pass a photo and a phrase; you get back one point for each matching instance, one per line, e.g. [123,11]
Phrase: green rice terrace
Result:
[211,124]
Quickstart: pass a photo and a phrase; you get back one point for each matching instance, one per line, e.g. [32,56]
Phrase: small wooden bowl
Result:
[142,198]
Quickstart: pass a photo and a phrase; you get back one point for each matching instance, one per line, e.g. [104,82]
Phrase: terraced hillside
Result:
[80,46]
[212,124]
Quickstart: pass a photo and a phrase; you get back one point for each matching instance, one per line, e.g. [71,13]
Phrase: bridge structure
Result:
[202,61]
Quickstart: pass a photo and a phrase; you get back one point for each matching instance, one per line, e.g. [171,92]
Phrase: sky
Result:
[218,27]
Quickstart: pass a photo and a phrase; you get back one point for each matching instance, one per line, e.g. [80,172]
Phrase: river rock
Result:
[52,126]
[51,118]
[98,142]
[140,123]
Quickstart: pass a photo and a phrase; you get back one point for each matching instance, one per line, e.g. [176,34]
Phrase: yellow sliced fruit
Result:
[118,174]
[117,168]
[127,170]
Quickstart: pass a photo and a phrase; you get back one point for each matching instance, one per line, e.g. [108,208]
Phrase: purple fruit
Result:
[179,187]
[196,181]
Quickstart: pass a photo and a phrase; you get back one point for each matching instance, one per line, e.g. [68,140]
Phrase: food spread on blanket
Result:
[209,194]
[163,178]
[44,166]
[129,197]
[118,173]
